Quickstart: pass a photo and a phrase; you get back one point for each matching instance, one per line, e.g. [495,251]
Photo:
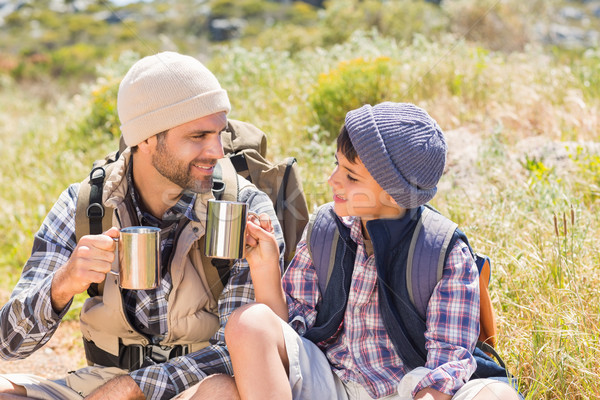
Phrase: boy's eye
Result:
[351,179]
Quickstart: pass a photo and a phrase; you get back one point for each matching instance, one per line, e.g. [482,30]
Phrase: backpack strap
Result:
[488,328]
[426,256]
[91,217]
[322,237]
[281,203]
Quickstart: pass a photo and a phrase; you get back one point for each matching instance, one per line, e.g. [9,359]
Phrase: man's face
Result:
[186,155]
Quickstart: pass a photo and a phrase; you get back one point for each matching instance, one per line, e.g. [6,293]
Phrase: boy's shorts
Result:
[311,376]
[75,386]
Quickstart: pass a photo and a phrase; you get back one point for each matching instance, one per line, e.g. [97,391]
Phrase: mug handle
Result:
[115,273]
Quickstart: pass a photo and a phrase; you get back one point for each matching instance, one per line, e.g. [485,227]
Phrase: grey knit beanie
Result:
[402,147]
[166,90]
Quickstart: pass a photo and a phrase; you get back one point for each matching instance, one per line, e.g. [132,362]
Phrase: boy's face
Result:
[356,193]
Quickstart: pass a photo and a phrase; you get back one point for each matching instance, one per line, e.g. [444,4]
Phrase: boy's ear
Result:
[388,200]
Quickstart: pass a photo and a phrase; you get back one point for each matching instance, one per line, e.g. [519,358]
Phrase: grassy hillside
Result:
[522,180]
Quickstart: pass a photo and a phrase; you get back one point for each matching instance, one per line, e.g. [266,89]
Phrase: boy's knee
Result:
[497,390]
[249,323]
[217,386]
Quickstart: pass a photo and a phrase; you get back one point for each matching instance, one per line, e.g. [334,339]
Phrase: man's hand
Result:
[119,388]
[90,262]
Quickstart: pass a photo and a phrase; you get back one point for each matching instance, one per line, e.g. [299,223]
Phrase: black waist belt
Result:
[133,356]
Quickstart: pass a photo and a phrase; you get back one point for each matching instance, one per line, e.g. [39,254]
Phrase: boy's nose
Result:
[333,181]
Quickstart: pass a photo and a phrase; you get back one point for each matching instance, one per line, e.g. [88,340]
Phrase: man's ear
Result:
[148,145]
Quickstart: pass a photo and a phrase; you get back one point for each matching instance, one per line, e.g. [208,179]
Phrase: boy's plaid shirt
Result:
[29,321]
[361,350]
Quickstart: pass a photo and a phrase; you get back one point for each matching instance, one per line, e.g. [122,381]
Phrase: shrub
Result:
[352,84]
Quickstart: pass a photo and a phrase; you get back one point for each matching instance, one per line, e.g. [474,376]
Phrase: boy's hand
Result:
[262,250]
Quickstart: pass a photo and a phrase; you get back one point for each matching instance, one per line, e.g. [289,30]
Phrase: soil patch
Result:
[63,353]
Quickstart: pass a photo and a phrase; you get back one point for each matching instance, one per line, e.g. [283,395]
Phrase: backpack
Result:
[245,148]
[425,263]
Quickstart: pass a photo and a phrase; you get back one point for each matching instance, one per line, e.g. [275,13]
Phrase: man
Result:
[142,343]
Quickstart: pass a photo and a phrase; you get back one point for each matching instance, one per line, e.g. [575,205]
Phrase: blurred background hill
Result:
[64,39]
[514,84]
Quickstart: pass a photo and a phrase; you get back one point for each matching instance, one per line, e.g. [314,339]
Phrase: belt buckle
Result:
[159,354]
[135,355]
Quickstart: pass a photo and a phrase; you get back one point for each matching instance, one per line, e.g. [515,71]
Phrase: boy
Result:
[352,341]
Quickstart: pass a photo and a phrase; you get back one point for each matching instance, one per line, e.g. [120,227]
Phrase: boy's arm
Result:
[263,257]
[452,325]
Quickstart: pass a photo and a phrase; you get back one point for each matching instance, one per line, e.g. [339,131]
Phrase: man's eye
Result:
[351,179]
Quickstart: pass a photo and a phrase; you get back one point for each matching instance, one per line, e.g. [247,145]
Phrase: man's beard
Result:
[178,172]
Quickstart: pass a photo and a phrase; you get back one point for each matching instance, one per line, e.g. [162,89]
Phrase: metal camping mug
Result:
[225,235]
[138,254]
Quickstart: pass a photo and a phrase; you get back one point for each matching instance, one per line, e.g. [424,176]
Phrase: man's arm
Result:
[28,319]
[57,270]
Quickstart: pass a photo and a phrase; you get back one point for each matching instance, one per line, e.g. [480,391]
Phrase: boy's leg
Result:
[257,348]
[219,386]
[260,331]
[487,389]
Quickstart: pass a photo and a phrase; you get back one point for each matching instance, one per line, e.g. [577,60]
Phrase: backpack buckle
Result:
[97,175]
[95,210]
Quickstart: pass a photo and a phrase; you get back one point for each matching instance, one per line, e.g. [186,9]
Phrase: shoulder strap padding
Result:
[426,256]
[229,178]
[322,236]
[216,271]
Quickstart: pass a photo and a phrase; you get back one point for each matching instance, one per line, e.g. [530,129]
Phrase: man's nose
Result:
[214,148]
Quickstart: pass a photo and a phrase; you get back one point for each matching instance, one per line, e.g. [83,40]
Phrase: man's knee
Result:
[7,386]
[250,323]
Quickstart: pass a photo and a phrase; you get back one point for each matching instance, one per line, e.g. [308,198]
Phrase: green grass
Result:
[545,273]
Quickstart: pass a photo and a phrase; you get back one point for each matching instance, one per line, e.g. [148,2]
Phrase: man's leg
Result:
[257,346]
[219,386]
[10,391]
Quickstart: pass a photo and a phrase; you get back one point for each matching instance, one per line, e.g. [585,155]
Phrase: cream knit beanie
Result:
[166,90]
